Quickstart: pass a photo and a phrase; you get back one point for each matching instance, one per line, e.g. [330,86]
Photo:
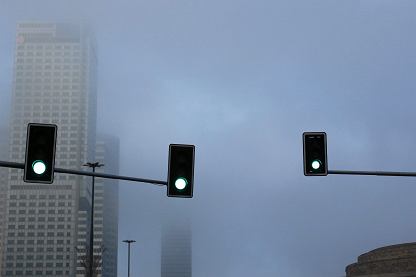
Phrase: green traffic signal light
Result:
[181,170]
[181,183]
[40,153]
[316,164]
[39,167]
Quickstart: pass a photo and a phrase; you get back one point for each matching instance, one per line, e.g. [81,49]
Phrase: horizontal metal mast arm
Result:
[87,173]
[12,165]
[374,173]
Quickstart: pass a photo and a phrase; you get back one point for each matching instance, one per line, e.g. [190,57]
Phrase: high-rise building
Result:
[54,82]
[176,260]
[3,187]
[107,205]
[105,213]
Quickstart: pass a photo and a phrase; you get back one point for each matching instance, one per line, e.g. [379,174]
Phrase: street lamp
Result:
[129,242]
[93,165]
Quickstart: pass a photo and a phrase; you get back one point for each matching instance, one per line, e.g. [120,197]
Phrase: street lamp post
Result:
[128,266]
[91,259]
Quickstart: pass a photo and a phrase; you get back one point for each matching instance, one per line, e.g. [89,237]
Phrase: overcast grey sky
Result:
[242,80]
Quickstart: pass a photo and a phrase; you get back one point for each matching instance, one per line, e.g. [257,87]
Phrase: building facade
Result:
[3,187]
[107,206]
[54,82]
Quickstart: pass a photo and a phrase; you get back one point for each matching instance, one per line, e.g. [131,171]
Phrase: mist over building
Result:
[54,82]
[176,256]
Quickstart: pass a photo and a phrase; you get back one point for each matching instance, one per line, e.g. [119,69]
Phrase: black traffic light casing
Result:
[315,162]
[40,146]
[181,165]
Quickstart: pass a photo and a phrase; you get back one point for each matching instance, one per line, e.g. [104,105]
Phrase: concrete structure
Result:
[390,261]
[176,260]
[105,211]
[54,82]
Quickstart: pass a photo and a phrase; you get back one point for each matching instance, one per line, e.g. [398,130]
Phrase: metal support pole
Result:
[91,259]
[128,267]
[128,255]
[92,225]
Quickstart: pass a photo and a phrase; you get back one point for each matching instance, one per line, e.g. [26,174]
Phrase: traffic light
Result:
[181,170]
[40,153]
[315,162]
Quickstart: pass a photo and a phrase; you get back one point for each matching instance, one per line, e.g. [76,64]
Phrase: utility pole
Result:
[91,259]
[128,266]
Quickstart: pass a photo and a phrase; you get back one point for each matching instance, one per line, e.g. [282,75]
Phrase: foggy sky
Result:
[242,80]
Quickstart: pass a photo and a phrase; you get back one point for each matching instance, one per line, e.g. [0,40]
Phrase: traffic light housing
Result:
[315,162]
[40,153]
[181,170]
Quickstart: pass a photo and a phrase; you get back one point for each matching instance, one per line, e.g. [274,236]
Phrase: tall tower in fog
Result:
[54,82]
[176,260]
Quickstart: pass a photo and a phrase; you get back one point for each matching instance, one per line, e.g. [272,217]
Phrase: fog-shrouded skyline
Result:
[242,80]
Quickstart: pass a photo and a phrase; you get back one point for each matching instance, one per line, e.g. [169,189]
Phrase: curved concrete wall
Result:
[390,261]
